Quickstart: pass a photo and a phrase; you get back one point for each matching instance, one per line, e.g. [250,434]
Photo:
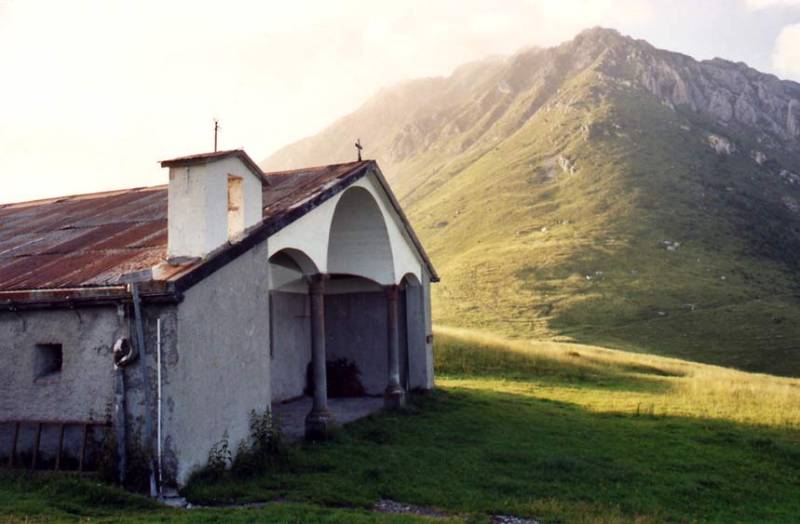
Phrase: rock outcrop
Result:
[730,92]
[721,145]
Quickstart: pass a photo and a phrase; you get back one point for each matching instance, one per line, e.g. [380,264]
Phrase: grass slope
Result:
[556,432]
[527,248]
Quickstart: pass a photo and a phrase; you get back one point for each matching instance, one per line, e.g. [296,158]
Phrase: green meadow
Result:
[544,430]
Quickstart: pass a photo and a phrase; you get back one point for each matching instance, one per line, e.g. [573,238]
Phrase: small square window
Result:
[47,360]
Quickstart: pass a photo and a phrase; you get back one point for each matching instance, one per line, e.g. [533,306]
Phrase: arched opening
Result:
[413,354]
[289,269]
[358,243]
[290,322]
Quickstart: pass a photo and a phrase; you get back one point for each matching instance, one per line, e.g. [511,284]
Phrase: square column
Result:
[395,396]
[319,420]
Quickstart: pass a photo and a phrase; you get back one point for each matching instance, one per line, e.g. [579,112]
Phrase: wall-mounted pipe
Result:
[138,322]
[124,354]
[158,402]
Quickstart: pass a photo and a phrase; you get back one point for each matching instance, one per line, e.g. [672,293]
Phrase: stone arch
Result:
[289,269]
[410,280]
[358,241]
[295,259]
[289,322]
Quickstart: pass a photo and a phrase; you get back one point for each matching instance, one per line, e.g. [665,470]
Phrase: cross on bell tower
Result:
[359,147]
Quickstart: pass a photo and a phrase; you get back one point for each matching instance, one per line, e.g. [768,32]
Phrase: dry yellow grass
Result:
[606,380]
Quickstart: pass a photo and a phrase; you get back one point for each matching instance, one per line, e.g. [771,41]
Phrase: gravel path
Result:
[391,506]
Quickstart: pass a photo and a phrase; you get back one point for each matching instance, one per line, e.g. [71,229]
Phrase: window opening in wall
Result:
[48,360]
[235,206]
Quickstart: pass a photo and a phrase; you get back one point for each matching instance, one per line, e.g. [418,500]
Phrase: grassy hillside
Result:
[560,198]
[528,249]
[556,432]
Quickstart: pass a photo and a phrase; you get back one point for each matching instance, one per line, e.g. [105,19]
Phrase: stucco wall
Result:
[83,387]
[135,400]
[198,205]
[429,371]
[222,368]
[355,329]
[418,360]
[82,391]
[404,335]
[291,344]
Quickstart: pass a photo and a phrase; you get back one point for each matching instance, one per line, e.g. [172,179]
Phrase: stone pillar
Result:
[319,420]
[394,396]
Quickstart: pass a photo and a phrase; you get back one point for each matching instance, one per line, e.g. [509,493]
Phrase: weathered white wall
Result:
[197,209]
[309,234]
[291,344]
[223,367]
[429,371]
[85,385]
[418,361]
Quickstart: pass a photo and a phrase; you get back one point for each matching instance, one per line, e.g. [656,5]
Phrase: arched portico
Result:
[354,232]
[357,287]
[296,280]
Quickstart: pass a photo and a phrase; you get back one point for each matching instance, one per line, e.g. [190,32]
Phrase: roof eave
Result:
[171,289]
[207,158]
[70,298]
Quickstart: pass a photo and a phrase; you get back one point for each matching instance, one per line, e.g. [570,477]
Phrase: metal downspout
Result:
[158,405]
[138,321]
[124,354]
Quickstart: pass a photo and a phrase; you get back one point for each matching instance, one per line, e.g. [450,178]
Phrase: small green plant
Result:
[265,450]
[107,459]
[137,467]
[219,456]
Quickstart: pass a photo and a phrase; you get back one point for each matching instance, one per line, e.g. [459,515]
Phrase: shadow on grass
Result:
[483,452]
[457,357]
[64,496]
[754,335]
[480,452]
[48,498]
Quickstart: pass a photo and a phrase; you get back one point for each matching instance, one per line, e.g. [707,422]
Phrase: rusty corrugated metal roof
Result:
[92,240]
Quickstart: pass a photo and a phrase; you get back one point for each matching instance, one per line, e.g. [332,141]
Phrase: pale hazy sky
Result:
[94,93]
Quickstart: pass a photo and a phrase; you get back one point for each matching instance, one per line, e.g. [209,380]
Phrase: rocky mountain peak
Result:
[732,94]
[601,37]
[496,96]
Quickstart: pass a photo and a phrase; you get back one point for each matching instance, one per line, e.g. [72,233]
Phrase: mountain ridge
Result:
[596,39]
[601,191]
